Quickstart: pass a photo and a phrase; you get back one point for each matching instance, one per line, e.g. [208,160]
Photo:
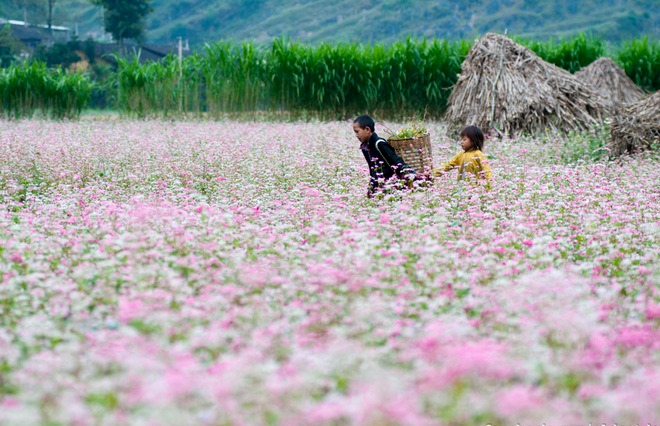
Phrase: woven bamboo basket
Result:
[416,152]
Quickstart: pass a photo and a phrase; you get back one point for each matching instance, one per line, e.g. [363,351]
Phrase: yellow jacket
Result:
[472,161]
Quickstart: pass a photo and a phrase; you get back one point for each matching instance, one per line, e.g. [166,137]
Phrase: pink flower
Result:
[643,270]
[638,336]
[327,411]
[10,402]
[16,257]
[591,390]
[129,309]
[652,311]
[518,400]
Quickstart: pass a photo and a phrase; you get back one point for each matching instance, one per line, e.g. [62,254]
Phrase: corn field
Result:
[334,81]
[292,79]
[640,58]
[326,81]
[33,88]
[571,54]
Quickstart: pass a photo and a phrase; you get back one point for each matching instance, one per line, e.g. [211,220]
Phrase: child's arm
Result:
[483,168]
[454,162]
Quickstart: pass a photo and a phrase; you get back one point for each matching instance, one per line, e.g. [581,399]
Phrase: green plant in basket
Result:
[413,144]
[410,131]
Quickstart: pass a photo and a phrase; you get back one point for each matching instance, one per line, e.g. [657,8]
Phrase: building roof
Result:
[32,35]
[145,52]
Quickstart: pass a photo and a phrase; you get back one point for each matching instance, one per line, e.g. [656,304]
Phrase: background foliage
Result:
[206,21]
[293,79]
[408,78]
[124,18]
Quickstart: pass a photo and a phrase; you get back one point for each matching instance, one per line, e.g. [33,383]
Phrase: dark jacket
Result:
[383,161]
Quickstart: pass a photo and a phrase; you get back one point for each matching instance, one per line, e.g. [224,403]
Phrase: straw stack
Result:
[636,127]
[611,82]
[507,87]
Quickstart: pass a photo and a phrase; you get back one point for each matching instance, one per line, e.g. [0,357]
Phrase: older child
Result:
[471,159]
[381,158]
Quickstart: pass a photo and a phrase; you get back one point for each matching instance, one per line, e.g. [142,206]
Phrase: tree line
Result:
[123,19]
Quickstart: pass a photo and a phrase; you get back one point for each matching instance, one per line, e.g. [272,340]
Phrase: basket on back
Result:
[416,152]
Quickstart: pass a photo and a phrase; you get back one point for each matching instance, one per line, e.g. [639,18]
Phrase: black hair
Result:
[366,121]
[475,135]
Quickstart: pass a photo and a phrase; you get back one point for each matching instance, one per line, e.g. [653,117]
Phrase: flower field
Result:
[234,273]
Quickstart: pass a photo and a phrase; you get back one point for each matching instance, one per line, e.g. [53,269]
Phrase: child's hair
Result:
[366,121]
[475,135]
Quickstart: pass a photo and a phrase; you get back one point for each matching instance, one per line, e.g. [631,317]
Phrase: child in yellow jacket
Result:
[471,159]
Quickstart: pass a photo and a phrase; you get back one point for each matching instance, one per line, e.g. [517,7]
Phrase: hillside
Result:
[203,21]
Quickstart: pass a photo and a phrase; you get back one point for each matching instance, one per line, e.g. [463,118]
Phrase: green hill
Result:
[203,21]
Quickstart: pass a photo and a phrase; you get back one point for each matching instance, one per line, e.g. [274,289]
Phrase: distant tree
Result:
[125,19]
[89,48]
[57,54]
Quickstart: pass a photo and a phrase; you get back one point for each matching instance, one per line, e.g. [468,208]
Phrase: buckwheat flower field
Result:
[234,273]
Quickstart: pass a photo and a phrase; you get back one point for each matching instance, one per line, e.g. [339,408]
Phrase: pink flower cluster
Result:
[235,273]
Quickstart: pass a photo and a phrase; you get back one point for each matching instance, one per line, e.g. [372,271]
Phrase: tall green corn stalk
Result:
[248,79]
[342,81]
[215,68]
[640,58]
[132,82]
[416,76]
[570,54]
[234,78]
[69,95]
[336,81]
[25,89]
[370,77]
[286,74]
[190,88]
[31,88]
[443,61]
[148,89]
[165,90]
[317,80]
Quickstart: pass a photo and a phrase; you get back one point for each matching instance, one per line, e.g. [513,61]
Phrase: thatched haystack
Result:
[636,127]
[506,86]
[611,82]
